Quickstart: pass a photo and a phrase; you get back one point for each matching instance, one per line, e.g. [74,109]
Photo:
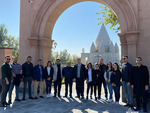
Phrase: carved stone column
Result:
[41,49]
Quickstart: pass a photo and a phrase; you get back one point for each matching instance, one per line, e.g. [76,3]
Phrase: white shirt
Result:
[48,70]
[90,75]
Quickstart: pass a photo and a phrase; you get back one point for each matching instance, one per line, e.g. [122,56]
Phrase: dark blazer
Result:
[82,71]
[67,72]
[87,76]
[51,73]
[36,73]
[115,77]
[143,74]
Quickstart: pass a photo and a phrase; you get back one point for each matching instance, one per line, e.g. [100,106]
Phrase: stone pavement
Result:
[65,105]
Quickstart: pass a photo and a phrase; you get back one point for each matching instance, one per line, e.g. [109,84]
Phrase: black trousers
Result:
[90,86]
[80,87]
[68,81]
[100,86]
[97,85]
[5,89]
[57,85]
[141,94]
[27,80]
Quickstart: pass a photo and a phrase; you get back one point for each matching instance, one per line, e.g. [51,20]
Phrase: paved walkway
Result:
[64,105]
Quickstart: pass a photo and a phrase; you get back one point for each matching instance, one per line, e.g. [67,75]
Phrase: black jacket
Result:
[27,70]
[98,76]
[143,74]
[51,73]
[67,72]
[103,69]
[115,77]
[82,71]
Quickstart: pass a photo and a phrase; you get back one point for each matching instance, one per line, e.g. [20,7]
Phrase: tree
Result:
[11,42]
[64,56]
[3,34]
[108,17]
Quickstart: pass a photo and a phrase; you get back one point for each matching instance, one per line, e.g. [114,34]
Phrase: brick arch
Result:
[50,11]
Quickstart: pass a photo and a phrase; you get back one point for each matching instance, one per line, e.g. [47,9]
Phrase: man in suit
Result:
[102,67]
[67,73]
[57,77]
[140,83]
[79,74]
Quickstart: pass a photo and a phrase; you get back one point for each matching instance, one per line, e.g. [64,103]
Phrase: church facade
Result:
[102,48]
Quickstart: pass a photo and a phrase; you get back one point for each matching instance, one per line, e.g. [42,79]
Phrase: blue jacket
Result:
[36,73]
[127,72]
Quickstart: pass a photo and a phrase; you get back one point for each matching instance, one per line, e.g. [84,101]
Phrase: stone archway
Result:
[41,18]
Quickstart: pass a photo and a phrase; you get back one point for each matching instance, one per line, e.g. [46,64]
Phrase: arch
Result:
[50,11]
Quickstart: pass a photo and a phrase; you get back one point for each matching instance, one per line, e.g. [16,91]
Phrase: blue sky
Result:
[75,29]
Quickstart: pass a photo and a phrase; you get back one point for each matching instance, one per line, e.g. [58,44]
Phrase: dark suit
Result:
[140,78]
[79,80]
[67,73]
[103,69]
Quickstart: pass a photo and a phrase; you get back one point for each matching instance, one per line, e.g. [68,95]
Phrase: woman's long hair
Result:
[48,63]
[117,66]
[111,68]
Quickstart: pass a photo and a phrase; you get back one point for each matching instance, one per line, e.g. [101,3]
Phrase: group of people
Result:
[135,79]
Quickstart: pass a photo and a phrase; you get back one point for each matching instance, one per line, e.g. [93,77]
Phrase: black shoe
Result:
[7,103]
[31,98]
[41,97]
[82,97]
[59,96]
[131,106]
[90,97]
[10,101]
[3,105]
[87,97]
[65,96]
[127,105]
[70,96]
[35,98]
[99,98]
[23,99]
[106,98]
[55,96]
[17,100]
[95,98]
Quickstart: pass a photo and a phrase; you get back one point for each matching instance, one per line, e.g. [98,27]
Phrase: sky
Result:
[75,29]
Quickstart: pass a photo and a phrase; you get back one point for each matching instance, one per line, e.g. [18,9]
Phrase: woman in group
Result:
[107,76]
[115,81]
[89,79]
[97,80]
[49,71]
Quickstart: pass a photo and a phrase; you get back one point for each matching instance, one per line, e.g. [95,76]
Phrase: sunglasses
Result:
[8,59]
[123,58]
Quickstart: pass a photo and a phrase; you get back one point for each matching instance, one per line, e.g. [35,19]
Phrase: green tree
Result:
[74,59]
[108,17]
[12,42]
[3,34]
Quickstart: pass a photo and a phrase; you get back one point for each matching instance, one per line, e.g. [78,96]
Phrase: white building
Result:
[102,48]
